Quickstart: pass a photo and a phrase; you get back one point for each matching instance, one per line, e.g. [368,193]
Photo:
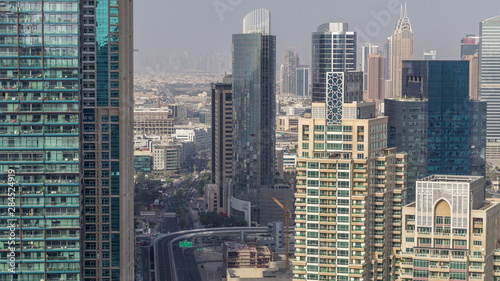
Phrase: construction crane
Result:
[287,214]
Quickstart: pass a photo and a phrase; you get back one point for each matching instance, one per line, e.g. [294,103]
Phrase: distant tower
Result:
[469,45]
[303,81]
[367,50]
[333,50]
[401,49]
[222,140]
[430,55]
[489,84]
[289,72]
[254,91]
[375,78]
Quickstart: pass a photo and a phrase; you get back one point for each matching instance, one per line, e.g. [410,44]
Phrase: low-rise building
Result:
[153,121]
[143,161]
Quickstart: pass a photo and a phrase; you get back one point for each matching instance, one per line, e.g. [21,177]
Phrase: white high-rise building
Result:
[489,84]
[401,49]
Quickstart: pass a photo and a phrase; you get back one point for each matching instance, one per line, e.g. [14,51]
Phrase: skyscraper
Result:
[430,55]
[289,72]
[107,140]
[469,45]
[222,140]
[436,124]
[303,81]
[74,176]
[350,191]
[489,83]
[375,78]
[333,50]
[254,59]
[39,140]
[367,50]
[401,49]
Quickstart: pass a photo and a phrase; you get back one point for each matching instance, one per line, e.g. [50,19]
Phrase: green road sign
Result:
[185,244]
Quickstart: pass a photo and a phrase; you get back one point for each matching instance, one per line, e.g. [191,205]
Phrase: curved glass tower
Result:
[254,83]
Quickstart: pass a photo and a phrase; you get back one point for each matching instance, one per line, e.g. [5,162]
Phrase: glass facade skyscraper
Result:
[65,142]
[333,50]
[437,121]
[254,90]
[39,139]
[107,140]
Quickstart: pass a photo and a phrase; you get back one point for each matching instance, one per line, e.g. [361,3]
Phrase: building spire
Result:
[404,21]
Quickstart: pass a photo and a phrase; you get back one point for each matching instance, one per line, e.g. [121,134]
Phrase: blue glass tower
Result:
[254,84]
[39,140]
[436,120]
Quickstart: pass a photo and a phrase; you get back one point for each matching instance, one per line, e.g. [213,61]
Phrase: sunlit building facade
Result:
[451,232]
[350,191]
[401,48]
[489,83]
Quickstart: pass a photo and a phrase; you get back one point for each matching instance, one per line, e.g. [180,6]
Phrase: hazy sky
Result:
[163,27]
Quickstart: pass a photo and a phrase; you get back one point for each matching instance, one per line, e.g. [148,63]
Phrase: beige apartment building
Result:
[153,121]
[451,232]
[350,190]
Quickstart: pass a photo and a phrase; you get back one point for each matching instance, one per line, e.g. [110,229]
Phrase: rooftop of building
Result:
[407,99]
[451,178]
[237,246]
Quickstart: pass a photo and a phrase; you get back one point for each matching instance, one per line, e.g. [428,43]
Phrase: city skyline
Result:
[293,25]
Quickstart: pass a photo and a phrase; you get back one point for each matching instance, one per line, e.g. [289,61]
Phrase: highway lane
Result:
[144,262]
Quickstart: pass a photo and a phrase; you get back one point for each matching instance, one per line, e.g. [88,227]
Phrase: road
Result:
[144,264]
[168,255]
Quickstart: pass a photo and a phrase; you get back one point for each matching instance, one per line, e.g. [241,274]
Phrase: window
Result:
[312,192]
[342,219]
[478,243]
[334,128]
[342,253]
[424,241]
[319,128]
[334,137]
[319,146]
[319,137]
[347,146]
[439,220]
[447,220]
[347,129]
[343,227]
